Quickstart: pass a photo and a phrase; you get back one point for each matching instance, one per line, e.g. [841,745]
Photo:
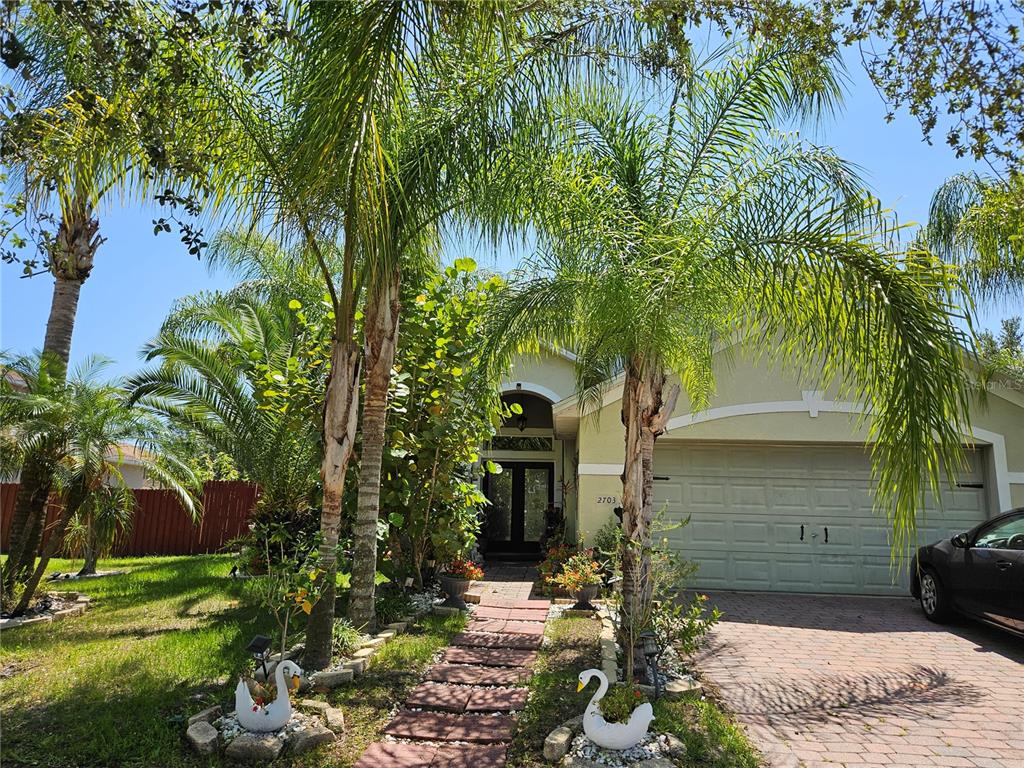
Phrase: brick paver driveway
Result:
[853,681]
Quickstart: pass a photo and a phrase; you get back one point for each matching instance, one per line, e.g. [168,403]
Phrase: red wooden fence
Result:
[161,525]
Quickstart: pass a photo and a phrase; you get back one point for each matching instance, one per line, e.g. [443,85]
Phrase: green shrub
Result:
[620,701]
[683,626]
[392,605]
[346,639]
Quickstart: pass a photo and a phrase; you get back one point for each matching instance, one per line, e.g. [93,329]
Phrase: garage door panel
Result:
[745,495]
[748,502]
[707,494]
[749,570]
[794,574]
[750,533]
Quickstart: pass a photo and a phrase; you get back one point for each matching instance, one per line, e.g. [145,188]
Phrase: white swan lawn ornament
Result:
[612,735]
[272,716]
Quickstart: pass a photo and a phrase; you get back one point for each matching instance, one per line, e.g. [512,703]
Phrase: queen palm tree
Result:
[661,234]
[85,423]
[85,128]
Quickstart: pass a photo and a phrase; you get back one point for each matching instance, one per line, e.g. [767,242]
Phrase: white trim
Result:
[599,469]
[1015,478]
[812,404]
[1001,467]
[511,387]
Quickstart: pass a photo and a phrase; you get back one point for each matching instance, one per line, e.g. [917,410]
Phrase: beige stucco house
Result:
[774,475]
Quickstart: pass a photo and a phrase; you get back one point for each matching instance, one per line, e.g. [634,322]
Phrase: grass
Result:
[711,738]
[115,686]
[572,646]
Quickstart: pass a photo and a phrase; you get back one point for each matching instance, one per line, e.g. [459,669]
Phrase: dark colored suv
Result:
[979,573]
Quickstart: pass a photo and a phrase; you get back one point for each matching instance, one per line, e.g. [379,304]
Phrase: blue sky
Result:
[138,276]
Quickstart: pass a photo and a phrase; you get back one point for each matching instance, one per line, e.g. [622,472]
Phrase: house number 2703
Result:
[607,499]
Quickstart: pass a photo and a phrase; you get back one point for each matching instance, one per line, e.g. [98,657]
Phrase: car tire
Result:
[934,600]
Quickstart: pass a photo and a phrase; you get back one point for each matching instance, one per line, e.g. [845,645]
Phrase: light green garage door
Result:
[792,518]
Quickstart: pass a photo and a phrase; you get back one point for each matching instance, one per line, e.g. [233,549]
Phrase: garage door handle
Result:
[1002,565]
[826,534]
[801,533]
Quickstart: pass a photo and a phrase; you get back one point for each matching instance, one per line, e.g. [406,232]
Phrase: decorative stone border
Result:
[81,602]
[609,652]
[345,672]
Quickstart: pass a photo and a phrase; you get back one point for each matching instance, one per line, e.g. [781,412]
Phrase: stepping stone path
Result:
[460,715]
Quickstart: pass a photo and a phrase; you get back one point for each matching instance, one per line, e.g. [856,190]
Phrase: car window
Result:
[1008,534]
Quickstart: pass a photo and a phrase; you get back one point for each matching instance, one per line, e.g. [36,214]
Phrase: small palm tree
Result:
[84,423]
[661,235]
[215,353]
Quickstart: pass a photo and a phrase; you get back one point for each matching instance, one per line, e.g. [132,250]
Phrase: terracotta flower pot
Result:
[584,595]
[455,588]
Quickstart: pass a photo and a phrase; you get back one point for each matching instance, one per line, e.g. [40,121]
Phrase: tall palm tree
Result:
[85,422]
[308,151]
[83,130]
[661,234]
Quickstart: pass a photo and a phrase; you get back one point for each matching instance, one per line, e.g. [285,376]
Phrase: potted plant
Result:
[581,578]
[455,581]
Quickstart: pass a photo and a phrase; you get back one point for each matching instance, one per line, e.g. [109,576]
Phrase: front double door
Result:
[519,498]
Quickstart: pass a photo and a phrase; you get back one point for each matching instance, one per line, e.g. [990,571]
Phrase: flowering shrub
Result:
[620,701]
[549,570]
[464,569]
[579,571]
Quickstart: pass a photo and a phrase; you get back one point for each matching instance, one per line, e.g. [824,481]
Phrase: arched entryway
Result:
[526,496]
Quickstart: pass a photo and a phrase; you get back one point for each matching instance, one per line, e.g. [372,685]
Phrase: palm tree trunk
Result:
[381,334]
[53,545]
[340,417]
[72,259]
[633,397]
[61,324]
[26,528]
[29,515]
[91,555]
[645,411]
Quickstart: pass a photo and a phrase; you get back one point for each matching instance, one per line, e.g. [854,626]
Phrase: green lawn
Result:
[114,687]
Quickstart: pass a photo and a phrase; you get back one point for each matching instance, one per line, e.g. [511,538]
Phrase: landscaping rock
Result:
[331,678]
[444,610]
[372,643]
[655,762]
[335,719]
[203,737]
[579,762]
[557,744]
[308,738]
[679,687]
[385,635]
[293,653]
[355,666]
[251,747]
[208,715]
[314,705]
[364,653]
[673,744]
[397,627]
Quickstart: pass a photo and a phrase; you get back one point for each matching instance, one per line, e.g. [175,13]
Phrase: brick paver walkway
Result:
[824,682]
[460,716]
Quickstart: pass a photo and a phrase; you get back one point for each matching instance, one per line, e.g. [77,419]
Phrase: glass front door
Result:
[520,497]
